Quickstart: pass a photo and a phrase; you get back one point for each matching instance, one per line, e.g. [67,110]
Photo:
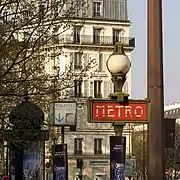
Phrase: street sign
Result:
[112,111]
[63,113]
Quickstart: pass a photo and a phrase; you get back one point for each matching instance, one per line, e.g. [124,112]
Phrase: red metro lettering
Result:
[116,111]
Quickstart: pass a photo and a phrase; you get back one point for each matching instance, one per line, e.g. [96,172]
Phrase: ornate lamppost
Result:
[118,65]
[118,110]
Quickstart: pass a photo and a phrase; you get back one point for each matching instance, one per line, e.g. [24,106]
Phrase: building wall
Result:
[94,165]
[111,9]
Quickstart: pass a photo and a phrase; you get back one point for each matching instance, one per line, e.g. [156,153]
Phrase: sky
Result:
[171,42]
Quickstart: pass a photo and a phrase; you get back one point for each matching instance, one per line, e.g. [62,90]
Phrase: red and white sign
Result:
[112,111]
[5,178]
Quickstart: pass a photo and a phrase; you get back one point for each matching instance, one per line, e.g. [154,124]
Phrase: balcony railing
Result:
[78,152]
[98,152]
[99,95]
[95,40]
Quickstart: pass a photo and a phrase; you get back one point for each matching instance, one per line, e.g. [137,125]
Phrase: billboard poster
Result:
[117,157]
[12,164]
[32,161]
[60,163]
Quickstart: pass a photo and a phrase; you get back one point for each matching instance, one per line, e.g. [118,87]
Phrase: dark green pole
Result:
[118,80]
[62,134]
[7,158]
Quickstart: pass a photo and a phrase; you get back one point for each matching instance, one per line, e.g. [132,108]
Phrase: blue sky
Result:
[171,36]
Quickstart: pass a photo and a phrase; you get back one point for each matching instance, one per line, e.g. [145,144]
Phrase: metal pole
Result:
[129,140]
[144,155]
[62,135]
[80,174]
[7,158]
[155,90]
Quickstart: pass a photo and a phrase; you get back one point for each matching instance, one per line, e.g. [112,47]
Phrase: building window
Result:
[78,88]
[77,61]
[78,145]
[76,34]
[96,36]
[116,36]
[97,89]
[97,146]
[97,8]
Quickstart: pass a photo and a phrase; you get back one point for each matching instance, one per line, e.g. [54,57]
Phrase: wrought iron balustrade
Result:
[96,40]
[98,95]
[78,152]
[98,152]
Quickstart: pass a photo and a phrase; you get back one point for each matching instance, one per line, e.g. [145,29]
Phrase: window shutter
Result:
[72,55]
[75,145]
[99,144]
[86,59]
[80,144]
[106,89]
[101,68]
[86,88]
[95,146]
[91,88]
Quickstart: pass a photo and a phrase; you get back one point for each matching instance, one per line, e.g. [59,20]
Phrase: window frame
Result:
[97,13]
[77,34]
[78,60]
[97,89]
[78,143]
[97,36]
[116,36]
[78,88]
[98,146]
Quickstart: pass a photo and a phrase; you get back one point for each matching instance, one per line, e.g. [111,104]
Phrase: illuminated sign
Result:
[113,111]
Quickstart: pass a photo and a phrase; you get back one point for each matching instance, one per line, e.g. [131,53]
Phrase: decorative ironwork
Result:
[90,40]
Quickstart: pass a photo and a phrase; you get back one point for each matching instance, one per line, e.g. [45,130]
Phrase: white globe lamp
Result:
[118,62]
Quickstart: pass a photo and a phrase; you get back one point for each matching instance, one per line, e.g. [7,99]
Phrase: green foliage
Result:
[30,32]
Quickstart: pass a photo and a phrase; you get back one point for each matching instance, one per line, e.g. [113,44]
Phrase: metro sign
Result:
[112,111]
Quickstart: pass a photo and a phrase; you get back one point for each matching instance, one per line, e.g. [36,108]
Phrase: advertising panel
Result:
[32,161]
[12,158]
[117,157]
[60,162]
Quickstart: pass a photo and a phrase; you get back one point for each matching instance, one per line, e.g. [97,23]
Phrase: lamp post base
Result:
[118,128]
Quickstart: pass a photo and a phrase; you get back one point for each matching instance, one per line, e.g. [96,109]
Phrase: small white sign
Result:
[63,113]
